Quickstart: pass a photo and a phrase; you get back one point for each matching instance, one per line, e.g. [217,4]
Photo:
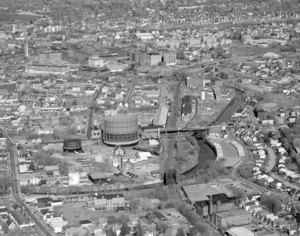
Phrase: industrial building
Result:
[209,199]
[231,218]
[161,116]
[46,56]
[120,129]
[169,58]
[72,145]
[146,58]
[47,69]
[109,201]
[95,61]
[216,203]
[239,231]
[186,107]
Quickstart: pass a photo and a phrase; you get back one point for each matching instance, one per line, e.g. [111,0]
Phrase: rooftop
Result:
[201,192]
[240,231]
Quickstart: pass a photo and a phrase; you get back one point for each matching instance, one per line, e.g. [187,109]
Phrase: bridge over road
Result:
[187,129]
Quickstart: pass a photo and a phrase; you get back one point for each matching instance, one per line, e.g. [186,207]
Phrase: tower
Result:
[26,49]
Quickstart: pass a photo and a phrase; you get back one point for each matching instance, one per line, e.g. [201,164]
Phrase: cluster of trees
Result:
[159,193]
[125,229]
[43,157]
[19,231]
[194,219]
[272,202]
[287,138]
[5,184]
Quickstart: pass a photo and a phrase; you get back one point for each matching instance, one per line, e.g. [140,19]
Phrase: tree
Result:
[111,220]
[194,232]
[124,229]
[272,202]
[134,204]
[180,54]
[5,184]
[180,232]
[150,217]
[123,219]
[18,232]
[139,230]
[31,166]
[161,227]
[63,168]
[110,232]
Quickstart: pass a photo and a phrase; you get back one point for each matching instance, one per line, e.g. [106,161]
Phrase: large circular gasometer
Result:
[72,145]
[120,129]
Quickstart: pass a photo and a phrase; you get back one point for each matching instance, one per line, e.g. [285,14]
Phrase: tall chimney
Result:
[210,205]
[26,49]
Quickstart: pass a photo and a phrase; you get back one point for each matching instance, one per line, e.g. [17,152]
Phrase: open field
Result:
[281,100]
[241,50]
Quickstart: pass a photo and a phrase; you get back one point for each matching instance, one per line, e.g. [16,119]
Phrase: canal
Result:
[207,154]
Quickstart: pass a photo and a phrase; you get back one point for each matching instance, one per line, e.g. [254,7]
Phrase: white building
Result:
[95,61]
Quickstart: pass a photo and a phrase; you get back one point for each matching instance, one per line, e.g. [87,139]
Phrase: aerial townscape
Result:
[149,117]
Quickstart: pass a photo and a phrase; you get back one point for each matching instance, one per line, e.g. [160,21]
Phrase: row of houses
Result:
[252,205]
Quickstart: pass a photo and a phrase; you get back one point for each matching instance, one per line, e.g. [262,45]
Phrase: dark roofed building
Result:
[186,107]
[216,203]
[159,215]
[44,200]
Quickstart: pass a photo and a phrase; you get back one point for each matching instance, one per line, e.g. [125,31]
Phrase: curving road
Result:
[15,188]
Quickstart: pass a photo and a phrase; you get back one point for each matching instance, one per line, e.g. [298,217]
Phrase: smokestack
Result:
[210,204]
[26,49]
[218,205]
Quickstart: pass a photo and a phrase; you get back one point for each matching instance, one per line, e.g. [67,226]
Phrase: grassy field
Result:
[186,154]
[241,50]
[281,100]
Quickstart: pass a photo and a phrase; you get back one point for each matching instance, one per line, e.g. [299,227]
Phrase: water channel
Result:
[207,153]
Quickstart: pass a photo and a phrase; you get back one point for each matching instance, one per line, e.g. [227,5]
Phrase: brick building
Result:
[109,201]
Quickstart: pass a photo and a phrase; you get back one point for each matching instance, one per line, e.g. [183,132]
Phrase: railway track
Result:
[168,166]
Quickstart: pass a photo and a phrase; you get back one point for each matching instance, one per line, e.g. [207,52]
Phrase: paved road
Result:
[272,159]
[128,95]
[16,190]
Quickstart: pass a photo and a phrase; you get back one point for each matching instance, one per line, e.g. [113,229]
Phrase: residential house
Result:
[56,222]
[119,151]
[52,170]
[21,219]
[3,210]
[85,223]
